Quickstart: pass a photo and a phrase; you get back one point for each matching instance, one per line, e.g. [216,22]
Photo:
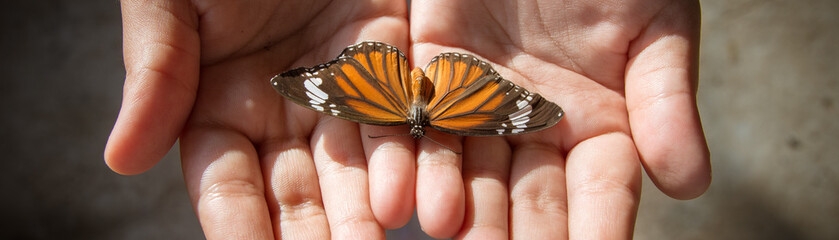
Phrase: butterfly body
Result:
[421,90]
[457,93]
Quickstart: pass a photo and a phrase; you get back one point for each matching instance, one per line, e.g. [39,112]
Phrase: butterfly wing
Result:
[364,84]
[471,99]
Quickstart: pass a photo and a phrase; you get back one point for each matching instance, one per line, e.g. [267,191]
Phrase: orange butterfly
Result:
[370,83]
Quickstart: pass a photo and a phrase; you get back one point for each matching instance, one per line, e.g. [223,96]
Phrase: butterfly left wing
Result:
[471,99]
[363,85]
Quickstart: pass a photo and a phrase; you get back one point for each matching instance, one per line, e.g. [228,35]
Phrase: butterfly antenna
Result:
[389,135]
[438,143]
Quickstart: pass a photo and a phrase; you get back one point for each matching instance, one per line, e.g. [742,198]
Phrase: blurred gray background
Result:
[768,99]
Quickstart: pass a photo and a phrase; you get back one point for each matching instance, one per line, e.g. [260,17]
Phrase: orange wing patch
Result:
[371,111]
[451,78]
[440,74]
[492,104]
[469,103]
[474,73]
[362,59]
[345,86]
[367,90]
[388,67]
[397,74]
[463,123]
[457,79]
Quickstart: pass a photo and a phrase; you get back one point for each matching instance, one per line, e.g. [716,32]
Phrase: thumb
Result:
[161,50]
[661,98]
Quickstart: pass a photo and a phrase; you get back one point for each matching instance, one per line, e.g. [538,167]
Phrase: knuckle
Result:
[235,188]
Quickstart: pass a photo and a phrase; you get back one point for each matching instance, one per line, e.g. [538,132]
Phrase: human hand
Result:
[234,123]
[255,165]
[625,73]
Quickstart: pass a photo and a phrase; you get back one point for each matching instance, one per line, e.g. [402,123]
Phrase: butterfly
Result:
[369,83]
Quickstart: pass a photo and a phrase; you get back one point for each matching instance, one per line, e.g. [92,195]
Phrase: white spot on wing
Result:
[521,113]
[315,99]
[316,81]
[521,122]
[517,130]
[519,103]
[313,89]
[521,117]
[500,131]
[319,108]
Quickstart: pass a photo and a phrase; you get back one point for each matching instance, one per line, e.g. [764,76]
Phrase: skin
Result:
[258,166]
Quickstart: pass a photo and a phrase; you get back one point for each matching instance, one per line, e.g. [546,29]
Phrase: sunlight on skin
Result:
[606,65]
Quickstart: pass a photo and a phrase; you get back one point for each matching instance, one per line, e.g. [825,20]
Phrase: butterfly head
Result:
[417,131]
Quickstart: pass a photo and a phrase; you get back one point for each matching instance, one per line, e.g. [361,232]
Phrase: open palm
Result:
[255,165]
[259,166]
[625,74]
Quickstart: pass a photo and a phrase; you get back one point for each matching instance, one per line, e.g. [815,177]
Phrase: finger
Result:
[538,203]
[440,193]
[391,163]
[604,187]
[225,185]
[661,99]
[290,170]
[161,61]
[342,172]
[486,167]
[392,173]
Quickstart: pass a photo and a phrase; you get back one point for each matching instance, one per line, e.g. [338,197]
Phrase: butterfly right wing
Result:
[471,99]
[364,84]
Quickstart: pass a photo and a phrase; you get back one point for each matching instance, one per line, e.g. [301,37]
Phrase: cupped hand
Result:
[256,166]
[259,166]
[625,72]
